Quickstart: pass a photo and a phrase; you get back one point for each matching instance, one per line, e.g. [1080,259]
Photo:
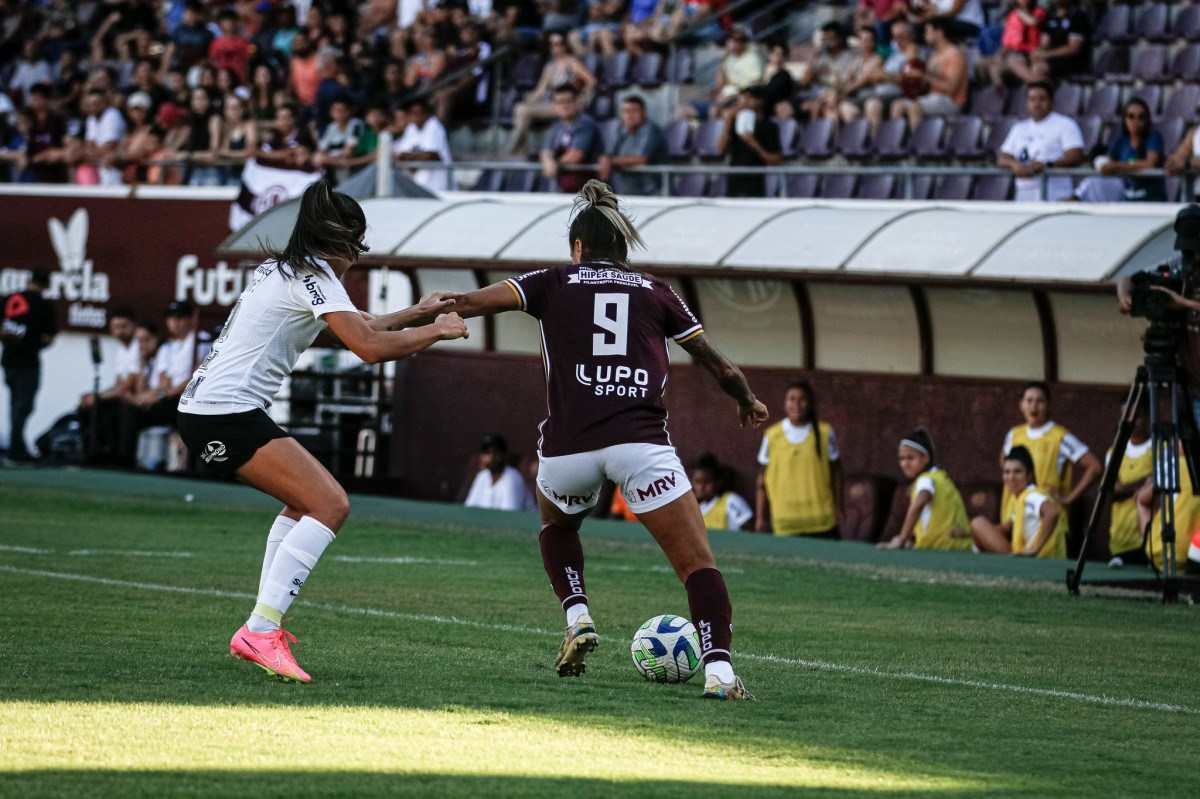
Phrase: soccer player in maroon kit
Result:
[605,334]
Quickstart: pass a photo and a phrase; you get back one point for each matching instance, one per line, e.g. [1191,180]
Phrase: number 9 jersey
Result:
[605,338]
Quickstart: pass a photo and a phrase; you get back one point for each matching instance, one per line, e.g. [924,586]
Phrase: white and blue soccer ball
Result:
[666,649]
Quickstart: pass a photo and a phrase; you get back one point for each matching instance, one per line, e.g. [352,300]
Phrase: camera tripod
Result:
[1159,379]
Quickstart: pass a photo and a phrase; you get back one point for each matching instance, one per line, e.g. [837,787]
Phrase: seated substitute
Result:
[1124,531]
[722,509]
[1187,519]
[936,517]
[1031,526]
[498,486]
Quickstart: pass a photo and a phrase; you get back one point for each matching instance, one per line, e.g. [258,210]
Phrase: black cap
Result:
[493,442]
[180,308]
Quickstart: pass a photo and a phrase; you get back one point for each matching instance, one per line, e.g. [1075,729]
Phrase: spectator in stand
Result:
[799,489]
[146,80]
[192,38]
[28,327]
[288,145]
[230,50]
[832,68]
[363,152]
[103,129]
[239,137]
[99,413]
[1045,140]
[339,138]
[887,83]
[960,19]
[1137,465]
[640,142]
[44,154]
[780,84]
[427,65]
[140,141]
[262,93]
[638,30]
[722,509]
[283,33]
[600,31]
[699,17]
[936,516]
[464,99]
[574,139]
[855,94]
[879,15]
[750,138]
[1055,453]
[498,485]
[1031,524]
[946,84]
[1186,157]
[303,72]
[563,69]
[425,139]
[29,69]
[1135,147]
[203,139]
[171,128]
[1066,43]
[1022,37]
[515,21]
[330,87]
[741,68]
[561,16]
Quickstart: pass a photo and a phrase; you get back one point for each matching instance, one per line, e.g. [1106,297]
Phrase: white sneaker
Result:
[715,689]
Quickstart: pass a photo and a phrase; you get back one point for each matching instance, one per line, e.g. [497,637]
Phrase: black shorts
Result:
[224,443]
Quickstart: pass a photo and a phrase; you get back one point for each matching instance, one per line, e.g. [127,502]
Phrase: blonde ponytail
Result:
[600,224]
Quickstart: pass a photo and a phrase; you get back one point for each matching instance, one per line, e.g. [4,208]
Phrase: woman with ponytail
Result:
[222,415]
[936,517]
[605,332]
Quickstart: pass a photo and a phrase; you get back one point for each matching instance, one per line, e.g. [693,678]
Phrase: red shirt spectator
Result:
[229,50]
[1023,27]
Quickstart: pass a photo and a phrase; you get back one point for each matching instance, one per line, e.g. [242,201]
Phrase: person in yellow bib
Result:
[1055,451]
[1187,519]
[799,488]
[936,517]
[1031,528]
[1124,531]
[722,509]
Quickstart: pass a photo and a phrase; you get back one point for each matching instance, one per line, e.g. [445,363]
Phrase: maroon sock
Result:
[562,555]
[708,602]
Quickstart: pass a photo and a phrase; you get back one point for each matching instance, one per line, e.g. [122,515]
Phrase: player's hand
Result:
[451,326]
[891,543]
[436,302]
[754,414]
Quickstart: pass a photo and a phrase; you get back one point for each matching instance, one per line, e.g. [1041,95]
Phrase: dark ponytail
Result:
[330,225]
[1022,456]
[805,388]
[605,232]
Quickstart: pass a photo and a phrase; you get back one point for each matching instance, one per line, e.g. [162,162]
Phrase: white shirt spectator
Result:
[107,128]
[1045,141]
[796,434]
[335,138]
[407,11]
[504,493]
[128,361]
[29,74]
[429,138]
[972,10]
[177,359]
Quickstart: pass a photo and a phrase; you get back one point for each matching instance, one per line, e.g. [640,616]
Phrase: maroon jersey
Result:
[605,333]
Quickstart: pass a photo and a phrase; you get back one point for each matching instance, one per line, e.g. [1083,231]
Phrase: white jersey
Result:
[274,321]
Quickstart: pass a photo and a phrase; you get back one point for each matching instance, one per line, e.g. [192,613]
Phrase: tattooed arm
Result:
[730,378]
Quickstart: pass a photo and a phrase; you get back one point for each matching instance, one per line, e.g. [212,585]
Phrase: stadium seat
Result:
[922,188]
[1171,129]
[489,180]
[1183,102]
[1113,63]
[609,130]
[838,187]
[546,185]
[708,139]
[928,140]
[1185,65]
[891,139]
[527,71]
[618,70]
[774,184]
[804,186]
[989,102]
[966,138]
[1152,23]
[817,141]
[1068,98]
[789,136]
[876,187]
[519,180]
[1092,129]
[853,140]
[718,186]
[648,71]
[1187,23]
[681,68]
[952,187]
[690,185]
[1174,189]
[1015,106]
[1151,95]
[997,133]
[602,107]
[1114,26]
[996,188]
[679,139]
[1104,101]
[1150,63]
[595,65]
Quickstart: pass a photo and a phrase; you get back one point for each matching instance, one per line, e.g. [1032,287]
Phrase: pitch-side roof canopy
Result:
[978,243]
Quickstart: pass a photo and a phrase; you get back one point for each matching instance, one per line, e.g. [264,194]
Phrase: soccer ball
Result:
[666,649]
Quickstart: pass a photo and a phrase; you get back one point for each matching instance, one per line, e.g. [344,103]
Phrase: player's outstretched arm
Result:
[422,313]
[493,299]
[378,346]
[730,378]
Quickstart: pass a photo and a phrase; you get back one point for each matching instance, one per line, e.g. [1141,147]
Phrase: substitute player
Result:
[605,334]
[1031,527]
[222,413]
[936,516]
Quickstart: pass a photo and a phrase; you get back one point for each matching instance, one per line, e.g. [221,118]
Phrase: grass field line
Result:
[403,560]
[93,553]
[815,665]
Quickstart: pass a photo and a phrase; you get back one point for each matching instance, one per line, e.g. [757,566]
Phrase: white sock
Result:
[279,530]
[575,612]
[721,669]
[296,557]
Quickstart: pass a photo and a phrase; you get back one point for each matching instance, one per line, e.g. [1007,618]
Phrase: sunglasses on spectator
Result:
[1135,116]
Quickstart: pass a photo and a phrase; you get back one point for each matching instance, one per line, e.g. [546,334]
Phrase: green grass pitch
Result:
[430,632]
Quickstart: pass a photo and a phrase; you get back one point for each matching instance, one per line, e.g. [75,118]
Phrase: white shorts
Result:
[649,476]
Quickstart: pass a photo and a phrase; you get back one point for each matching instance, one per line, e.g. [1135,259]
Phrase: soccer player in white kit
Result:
[222,414]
